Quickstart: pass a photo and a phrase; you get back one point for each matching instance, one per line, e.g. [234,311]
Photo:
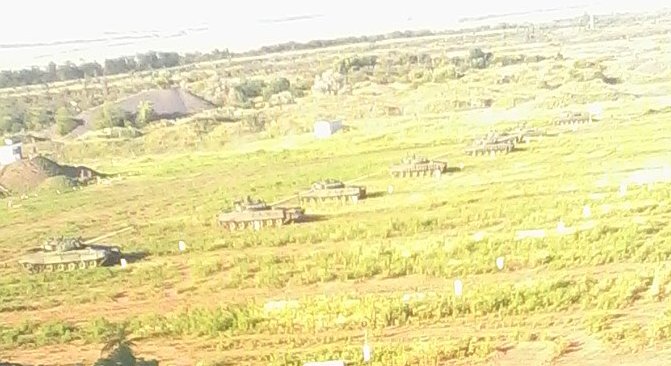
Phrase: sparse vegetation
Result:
[385,266]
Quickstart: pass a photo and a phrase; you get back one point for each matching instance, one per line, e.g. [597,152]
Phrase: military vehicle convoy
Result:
[332,189]
[69,254]
[255,214]
[415,166]
[493,143]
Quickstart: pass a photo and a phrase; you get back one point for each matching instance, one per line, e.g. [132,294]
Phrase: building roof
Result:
[166,103]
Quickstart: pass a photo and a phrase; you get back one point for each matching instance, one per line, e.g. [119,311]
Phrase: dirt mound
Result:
[26,175]
[166,103]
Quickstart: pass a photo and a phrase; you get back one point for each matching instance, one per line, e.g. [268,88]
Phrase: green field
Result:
[386,265]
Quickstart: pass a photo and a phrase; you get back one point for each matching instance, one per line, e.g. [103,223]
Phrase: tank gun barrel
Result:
[105,236]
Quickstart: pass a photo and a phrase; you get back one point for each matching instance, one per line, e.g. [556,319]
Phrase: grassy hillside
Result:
[595,292]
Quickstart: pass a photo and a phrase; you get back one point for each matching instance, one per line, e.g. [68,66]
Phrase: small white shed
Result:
[324,129]
[10,153]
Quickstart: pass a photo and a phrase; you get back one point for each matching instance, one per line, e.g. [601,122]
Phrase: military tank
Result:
[415,166]
[68,254]
[522,133]
[332,189]
[250,213]
[572,118]
[493,143]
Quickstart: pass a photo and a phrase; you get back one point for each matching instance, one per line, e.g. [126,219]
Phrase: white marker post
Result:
[366,349]
[123,263]
[181,246]
[458,288]
[499,263]
[390,189]
[623,189]
[479,236]
[366,353]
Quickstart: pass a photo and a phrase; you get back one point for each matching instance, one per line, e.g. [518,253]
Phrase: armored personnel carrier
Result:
[332,189]
[415,166]
[69,254]
[573,118]
[250,213]
[492,144]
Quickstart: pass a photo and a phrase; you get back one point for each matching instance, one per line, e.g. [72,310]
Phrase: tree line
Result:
[120,65]
[159,60]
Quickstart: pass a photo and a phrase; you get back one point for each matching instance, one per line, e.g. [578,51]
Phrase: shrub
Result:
[276,86]
[64,121]
[479,59]
[109,115]
[250,89]
[443,74]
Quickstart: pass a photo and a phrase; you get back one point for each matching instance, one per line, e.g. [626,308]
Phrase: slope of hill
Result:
[166,103]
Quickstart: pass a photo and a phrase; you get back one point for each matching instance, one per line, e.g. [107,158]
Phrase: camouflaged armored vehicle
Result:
[415,166]
[69,254]
[573,118]
[493,143]
[332,189]
[249,213]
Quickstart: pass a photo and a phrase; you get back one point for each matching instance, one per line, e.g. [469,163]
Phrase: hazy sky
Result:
[47,20]
[237,27]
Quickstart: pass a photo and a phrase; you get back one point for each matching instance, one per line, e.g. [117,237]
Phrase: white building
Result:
[10,153]
[324,129]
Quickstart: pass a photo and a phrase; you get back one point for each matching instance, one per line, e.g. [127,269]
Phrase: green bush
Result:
[250,89]
[278,85]
[443,74]
[109,115]
[65,123]
[479,59]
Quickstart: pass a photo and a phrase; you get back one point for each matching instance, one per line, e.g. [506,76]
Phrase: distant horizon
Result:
[205,32]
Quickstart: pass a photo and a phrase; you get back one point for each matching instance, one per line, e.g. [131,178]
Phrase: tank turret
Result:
[417,165]
[332,189]
[328,184]
[492,143]
[63,244]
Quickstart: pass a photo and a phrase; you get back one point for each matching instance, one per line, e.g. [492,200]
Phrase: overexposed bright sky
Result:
[47,20]
[238,24]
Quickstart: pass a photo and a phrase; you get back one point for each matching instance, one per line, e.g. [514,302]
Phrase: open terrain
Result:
[592,288]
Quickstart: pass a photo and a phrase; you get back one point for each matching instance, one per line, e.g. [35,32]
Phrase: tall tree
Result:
[64,121]
[145,112]
[109,115]
[38,117]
